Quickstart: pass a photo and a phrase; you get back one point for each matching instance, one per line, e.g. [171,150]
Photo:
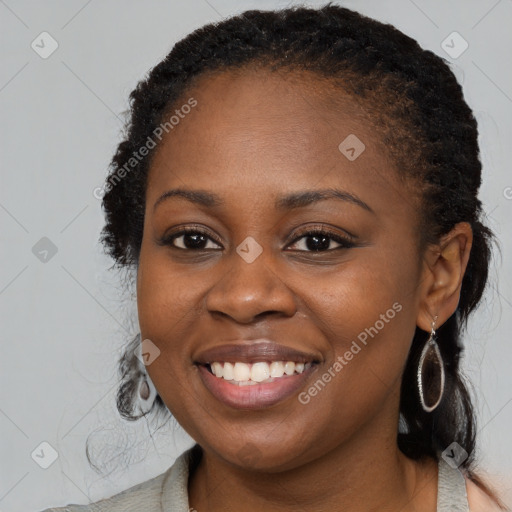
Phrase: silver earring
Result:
[431,367]
[144,390]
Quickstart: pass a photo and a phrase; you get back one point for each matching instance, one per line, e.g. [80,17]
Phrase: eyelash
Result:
[345,242]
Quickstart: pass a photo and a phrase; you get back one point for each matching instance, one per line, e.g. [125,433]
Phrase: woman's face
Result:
[253,283]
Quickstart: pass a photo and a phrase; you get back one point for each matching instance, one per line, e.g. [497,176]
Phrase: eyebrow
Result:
[288,202]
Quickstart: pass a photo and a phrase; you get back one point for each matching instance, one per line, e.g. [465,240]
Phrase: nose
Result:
[250,291]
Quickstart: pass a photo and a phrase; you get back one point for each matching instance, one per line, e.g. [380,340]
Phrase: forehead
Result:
[255,131]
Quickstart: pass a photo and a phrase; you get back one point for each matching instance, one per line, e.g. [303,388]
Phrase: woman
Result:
[297,194]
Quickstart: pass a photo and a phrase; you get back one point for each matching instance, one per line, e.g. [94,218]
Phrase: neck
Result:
[366,473]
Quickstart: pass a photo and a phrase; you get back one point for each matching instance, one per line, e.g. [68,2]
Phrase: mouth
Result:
[254,376]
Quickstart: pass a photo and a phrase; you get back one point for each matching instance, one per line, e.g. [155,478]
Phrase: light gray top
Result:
[168,492]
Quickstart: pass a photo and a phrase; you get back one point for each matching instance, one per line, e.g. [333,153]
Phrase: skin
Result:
[252,138]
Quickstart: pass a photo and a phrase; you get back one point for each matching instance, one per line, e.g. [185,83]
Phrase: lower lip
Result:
[255,396]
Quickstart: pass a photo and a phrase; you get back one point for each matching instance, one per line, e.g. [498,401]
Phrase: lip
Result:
[256,396]
[254,351]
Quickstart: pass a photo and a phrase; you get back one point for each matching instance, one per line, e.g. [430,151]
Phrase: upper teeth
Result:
[256,372]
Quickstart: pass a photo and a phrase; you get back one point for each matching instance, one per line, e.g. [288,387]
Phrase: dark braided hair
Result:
[416,106]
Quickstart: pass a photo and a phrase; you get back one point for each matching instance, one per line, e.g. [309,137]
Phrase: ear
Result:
[444,266]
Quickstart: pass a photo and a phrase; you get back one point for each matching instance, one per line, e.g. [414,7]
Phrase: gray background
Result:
[64,320]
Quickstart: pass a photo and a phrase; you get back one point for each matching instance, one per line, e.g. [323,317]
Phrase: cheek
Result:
[367,312]
[167,308]
[361,293]
[165,296]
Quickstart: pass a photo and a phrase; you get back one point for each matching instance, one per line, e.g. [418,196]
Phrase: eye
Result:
[312,240]
[320,240]
[192,239]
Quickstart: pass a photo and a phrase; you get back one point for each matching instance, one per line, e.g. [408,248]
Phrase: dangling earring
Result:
[144,390]
[430,366]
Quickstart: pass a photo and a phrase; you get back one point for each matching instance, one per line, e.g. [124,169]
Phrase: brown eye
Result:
[320,241]
[190,239]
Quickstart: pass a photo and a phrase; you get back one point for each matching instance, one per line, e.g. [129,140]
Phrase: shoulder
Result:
[143,496]
[479,500]
[169,489]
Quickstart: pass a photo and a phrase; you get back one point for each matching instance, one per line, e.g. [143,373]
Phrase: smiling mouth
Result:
[257,385]
[261,372]
[256,374]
